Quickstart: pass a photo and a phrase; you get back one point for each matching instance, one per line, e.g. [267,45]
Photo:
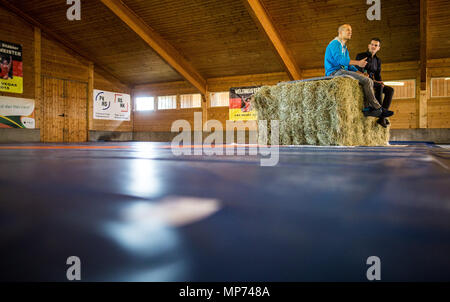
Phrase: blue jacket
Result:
[337,57]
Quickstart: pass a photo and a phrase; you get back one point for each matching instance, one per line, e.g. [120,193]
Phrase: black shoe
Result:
[386,113]
[383,122]
[369,111]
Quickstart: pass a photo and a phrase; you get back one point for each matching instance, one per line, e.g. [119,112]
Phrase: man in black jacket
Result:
[373,70]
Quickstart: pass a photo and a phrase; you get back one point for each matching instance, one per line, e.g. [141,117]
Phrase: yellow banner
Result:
[239,115]
[14,85]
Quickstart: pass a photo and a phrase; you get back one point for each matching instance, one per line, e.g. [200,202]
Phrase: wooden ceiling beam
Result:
[165,50]
[67,45]
[260,14]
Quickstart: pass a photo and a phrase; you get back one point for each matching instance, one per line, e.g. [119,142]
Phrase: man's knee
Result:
[367,81]
[388,90]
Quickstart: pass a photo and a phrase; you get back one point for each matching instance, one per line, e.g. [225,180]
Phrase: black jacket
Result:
[373,67]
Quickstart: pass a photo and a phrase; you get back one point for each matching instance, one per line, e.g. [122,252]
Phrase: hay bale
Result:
[324,113]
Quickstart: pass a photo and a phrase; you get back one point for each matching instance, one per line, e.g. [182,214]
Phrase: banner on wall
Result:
[111,106]
[240,105]
[11,74]
[16,113]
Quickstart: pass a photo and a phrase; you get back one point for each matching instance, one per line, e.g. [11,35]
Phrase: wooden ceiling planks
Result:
[438,29]
[219,38]
[308,26]
[157,43]
[105,37]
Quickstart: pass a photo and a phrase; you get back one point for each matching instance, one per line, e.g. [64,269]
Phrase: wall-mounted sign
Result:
[111,106]
[240,105]
[11,74]
[16,113]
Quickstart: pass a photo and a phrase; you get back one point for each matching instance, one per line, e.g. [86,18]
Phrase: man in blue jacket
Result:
[337,62]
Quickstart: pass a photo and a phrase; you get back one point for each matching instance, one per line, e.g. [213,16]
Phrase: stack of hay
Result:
[324,113]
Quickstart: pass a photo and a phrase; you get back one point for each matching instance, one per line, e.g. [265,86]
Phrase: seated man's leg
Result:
[370,99]
[388,94]
[378,89]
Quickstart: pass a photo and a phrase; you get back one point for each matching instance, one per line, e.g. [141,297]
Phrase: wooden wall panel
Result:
[439,113]
[438,108]
[58,63]
[161,120]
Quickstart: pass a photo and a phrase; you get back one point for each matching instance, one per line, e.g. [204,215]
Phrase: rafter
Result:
[260,14]
[159,45]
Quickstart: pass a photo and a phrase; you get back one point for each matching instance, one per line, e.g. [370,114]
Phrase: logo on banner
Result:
[101,98]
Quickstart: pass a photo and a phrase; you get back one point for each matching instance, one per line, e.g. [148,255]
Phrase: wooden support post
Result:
[205,105]
[38,114]
[90,109]
[423,97]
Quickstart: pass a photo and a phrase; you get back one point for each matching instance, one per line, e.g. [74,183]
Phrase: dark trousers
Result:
[388,94]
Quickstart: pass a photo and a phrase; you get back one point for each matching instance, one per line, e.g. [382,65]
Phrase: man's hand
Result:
[362,63]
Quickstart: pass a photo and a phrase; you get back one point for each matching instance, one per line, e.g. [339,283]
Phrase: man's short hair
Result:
[342,27]
[375,39]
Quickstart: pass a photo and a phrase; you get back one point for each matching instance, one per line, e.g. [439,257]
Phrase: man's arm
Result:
[336,52]
[359,57]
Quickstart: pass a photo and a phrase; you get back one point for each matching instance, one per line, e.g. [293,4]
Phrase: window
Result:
[191,100]
[167,102]
[145,103]
[403,89]
[440,87]
[219,99]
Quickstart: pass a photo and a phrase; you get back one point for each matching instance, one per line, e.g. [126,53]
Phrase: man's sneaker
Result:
[369,111]
[383,122]
[386,113]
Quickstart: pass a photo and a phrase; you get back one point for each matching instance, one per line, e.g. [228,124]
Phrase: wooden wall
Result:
[438,107]
[161,120]
[406,109]
[56,61]
[60,62]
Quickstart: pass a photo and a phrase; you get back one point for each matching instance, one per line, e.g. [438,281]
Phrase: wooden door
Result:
[75,120]
[52,124]
[64,111]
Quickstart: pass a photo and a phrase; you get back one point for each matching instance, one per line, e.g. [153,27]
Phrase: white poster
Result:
[111,106]
[16,113]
